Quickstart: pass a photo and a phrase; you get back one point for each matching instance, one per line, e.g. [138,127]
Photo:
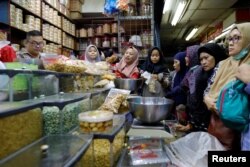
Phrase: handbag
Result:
[233,105]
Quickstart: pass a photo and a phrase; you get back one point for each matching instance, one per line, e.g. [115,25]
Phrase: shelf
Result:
[66,47]
[25,9]
[68,33]
[47,21]
[51,41]
[135,17]
[58,11]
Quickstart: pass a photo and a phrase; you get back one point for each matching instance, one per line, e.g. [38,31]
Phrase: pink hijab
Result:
[128,70]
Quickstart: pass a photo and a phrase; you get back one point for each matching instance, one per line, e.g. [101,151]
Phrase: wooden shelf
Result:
[58,11]
[50,41]
[25,9]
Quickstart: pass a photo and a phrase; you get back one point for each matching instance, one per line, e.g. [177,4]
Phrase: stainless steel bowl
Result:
[128,84]
[150,109]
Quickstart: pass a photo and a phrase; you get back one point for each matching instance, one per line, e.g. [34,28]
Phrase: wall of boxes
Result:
[51,17]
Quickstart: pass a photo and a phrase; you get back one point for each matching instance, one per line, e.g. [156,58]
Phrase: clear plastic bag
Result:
[192,149]
[114,99]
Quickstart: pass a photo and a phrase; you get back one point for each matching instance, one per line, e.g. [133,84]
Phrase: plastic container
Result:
[107,146]
[106,28]
[99,30]
[114,28]
[60,112]
[21,124]
[95,121]
[90,32]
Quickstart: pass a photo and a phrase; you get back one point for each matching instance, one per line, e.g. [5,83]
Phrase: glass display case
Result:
[106,146]
[60,112]
[98,96]
[26,84]
[21,124]
[52,151]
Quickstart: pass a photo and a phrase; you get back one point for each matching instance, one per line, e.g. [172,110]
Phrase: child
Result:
[127,67]
[155,67]
[92,54]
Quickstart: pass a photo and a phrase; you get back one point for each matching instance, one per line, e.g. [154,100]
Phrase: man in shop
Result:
[33,47]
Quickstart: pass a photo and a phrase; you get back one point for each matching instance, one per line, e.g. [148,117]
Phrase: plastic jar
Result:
[106,28]
[90,32]
[99,30]
[106,42]
[114,42]
[95,121]
[114,28]
[97,41]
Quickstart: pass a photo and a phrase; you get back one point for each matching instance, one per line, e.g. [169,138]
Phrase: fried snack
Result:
[114,103]
[110,77]
[101,83]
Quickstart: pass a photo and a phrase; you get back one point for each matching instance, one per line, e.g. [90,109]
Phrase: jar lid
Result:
[95,116]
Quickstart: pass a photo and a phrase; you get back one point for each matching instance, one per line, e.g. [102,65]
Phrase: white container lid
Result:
[95,116]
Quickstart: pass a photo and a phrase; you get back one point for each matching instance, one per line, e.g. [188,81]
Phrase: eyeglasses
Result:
[36,44]
[234,39]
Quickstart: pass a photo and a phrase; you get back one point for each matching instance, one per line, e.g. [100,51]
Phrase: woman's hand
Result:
[210,103]
[154,76]
[183,128]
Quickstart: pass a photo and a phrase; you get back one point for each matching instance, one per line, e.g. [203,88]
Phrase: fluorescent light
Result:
[228,28]
[223,34]
[167,6]
[191,34]
[178,12]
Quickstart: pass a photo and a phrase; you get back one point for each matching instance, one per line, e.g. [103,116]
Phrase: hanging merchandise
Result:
[122,5]
[110,7]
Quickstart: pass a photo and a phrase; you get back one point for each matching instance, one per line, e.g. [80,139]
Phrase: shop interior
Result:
[57,115]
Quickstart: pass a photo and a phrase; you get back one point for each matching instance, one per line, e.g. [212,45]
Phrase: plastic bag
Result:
[110,7]
[114,100]
[192,149]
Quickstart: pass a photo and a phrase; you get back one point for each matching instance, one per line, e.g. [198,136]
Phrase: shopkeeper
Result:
[33,47]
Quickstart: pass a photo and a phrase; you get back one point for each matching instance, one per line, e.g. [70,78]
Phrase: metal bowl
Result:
[128,84]
[150,109]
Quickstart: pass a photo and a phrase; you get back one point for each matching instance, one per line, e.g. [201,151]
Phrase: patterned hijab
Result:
[157,68]
[88,58]
[126,69]
[192,54]
[225,74]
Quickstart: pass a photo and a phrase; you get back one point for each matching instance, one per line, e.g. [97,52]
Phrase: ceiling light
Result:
[178,12]
[167,6]
[191,34]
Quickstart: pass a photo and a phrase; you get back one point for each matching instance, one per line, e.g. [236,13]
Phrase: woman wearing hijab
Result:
[209,55]
[155,67]
[176,93]
[238,47]
[92,54]
[127,67]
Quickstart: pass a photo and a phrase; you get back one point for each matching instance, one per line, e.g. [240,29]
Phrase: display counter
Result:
[62,150]
[21,124]
[106,146]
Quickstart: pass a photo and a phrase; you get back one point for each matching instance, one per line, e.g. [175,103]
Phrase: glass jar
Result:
[97,41]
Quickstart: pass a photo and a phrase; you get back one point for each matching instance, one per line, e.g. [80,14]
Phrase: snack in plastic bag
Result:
[114,99]
[151,86]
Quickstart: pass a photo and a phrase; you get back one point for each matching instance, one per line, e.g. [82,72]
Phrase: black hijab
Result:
[152,68]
